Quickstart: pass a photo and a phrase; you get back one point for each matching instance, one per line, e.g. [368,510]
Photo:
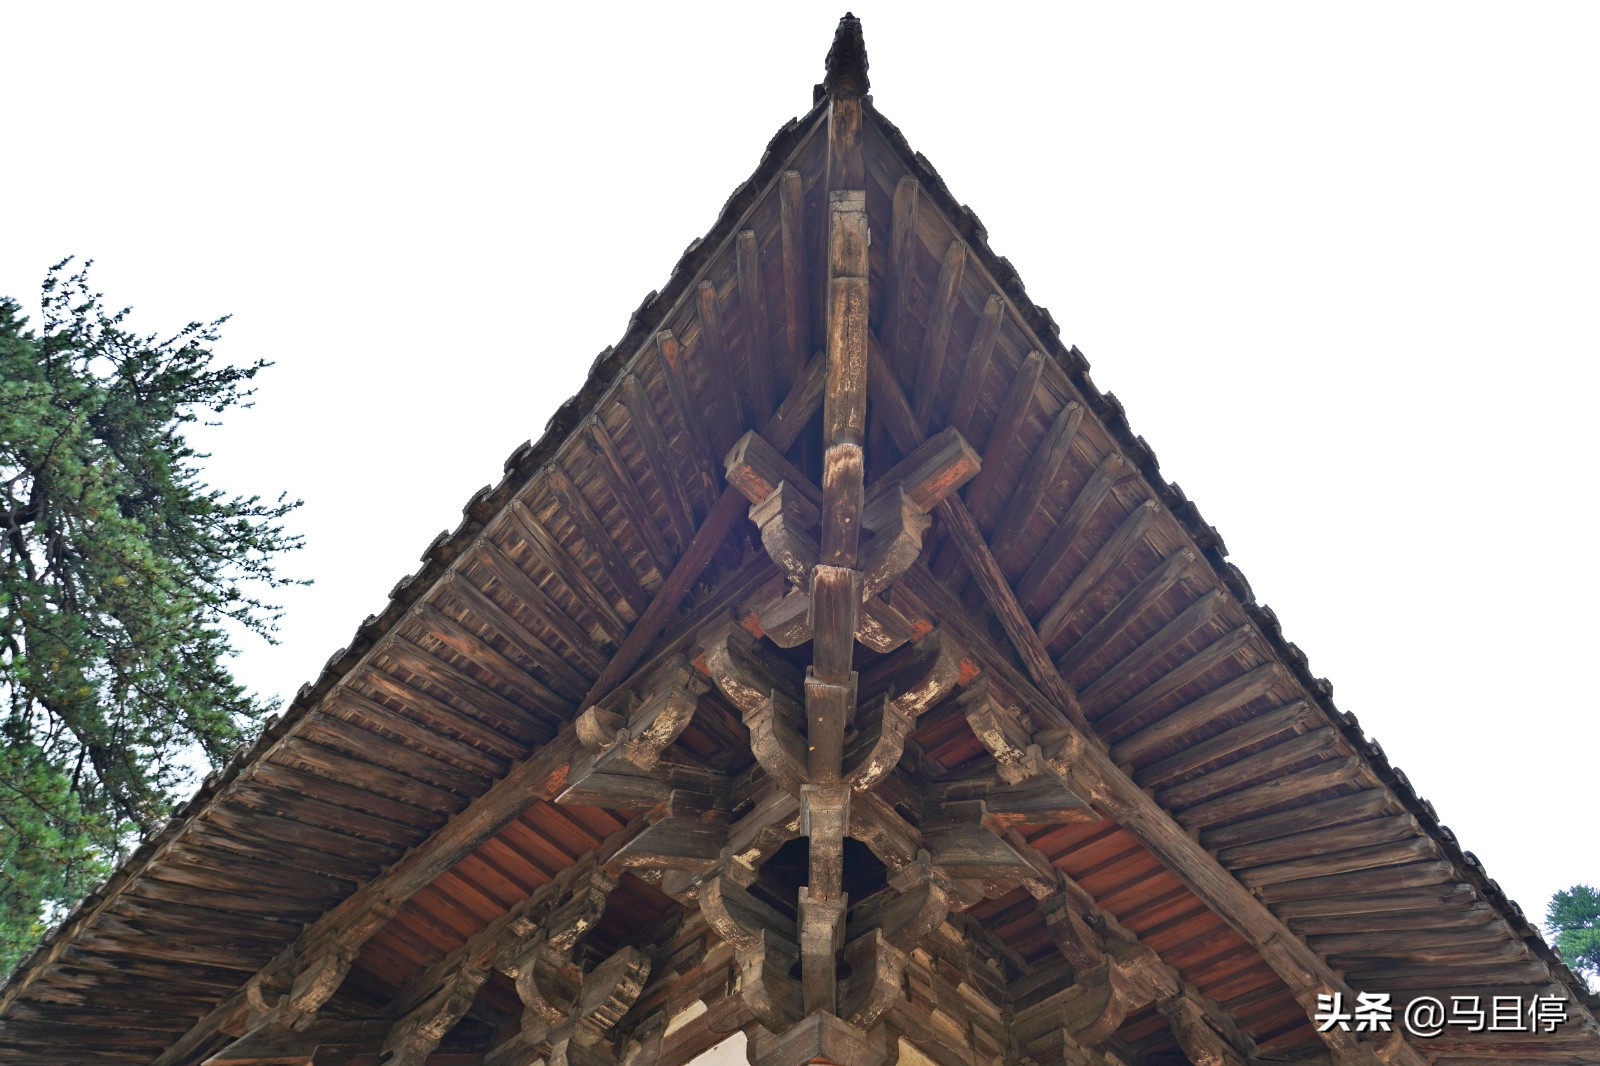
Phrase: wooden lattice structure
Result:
[838,669]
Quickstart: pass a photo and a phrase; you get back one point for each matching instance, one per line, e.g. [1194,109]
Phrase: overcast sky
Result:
[1340,262]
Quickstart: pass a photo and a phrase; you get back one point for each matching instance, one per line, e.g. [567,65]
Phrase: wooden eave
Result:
[404,801]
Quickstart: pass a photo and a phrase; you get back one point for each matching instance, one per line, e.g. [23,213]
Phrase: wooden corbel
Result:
[885,723]
[415,1036]
[547,980]
[607,993]
[293,1002]
[624,735]
[876,981]
[687,835]
[765,950]
[1204,1045]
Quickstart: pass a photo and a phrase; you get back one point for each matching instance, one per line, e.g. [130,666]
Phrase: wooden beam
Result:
[703,454]
[753,309]
[976,368]
[616,566]
[796,277]
[1109,557]
[1112,467]
[720,358]
[554,557]
[530,597]
[1148,591]
[781,430]
[902,252]
[642,417]
[1003,436]
[1039,476]
[624,488]
[1147,654]
[946,295]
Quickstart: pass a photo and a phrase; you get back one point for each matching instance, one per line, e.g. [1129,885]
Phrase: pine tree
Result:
[1573,921]
[119,571]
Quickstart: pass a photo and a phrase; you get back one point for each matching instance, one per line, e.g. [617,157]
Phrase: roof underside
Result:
[366,802]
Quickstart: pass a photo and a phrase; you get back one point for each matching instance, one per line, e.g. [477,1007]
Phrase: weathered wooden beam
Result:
[616,566]
[1004,435]
[753,309]
[781,430]
[969,390]
[703,454]
[929,370]
[1355,807]
[1148,591]
[725,368]
[561,674]
[1039,475]
[1111,468]
[1110,556]
[1246,733]
[471,645]
[274,1045]
[530,597]
[642,418]
[902,260]
[624,488]
[1171,727]
[796,277]
[555,558]
[1095,696]
[1263,765]
[414,1036]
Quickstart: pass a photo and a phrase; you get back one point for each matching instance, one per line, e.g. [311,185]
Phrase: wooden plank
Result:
[796,288]
[308,757]
[1004,436]
[435,714]
[486,704]
[1338,811]
[929,371]
[976,368]
[642,417]
[559,674]
[603,454]
[612,561]
[781,431]
[1422,874]
[1321,841]
[1112,467]
[472,646]
[1235,694]
[720,357]
[1209,604]
[1224,744]
[1270,794]
[1150,589]
[691,416]
[544,547]
[1250,770]
[338,735]
[1112,554]
[1037,478]
[1370,857]
[529,596]
[902,252]
[351,706]
[757,335]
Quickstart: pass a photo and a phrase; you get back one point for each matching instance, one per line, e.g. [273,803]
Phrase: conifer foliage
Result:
[119,572]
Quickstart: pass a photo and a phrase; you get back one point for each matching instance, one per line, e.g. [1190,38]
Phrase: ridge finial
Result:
[847,60]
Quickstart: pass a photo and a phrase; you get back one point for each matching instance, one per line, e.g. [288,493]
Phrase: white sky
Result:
[1340,262]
